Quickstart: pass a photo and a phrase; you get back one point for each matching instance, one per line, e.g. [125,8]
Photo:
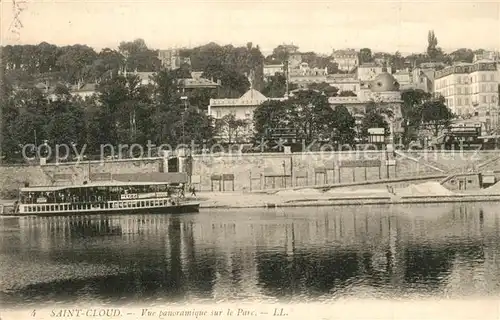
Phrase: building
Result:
[146,78]
[368,71]
[197,82]
[470,89]
[84,90]
[172,59]
[384,91]
[346,60]
[242,108]
[294,61]
[344,82]
[423,79]
[304,75]
[487,55]
[271,69]
[404,78]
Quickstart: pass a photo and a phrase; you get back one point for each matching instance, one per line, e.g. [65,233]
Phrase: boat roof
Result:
[90,185]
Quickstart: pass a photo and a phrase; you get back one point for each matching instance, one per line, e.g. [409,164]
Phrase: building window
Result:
[466,101]
[459,101]
[483,77]
[483,99]
[492,88]
[218,114]
[492,77]
[459,90]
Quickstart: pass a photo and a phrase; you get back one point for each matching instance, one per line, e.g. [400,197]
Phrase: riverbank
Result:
[414,194]
[427,192]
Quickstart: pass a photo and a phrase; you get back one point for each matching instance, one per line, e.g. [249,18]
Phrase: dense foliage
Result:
[124,112]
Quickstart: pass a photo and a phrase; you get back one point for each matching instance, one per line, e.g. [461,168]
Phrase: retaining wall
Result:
[259,171]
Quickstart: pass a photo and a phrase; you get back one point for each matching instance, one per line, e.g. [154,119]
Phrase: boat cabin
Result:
[97,192]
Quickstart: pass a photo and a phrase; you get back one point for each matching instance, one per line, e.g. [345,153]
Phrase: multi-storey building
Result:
[346,59]
[471,89]
[368,71]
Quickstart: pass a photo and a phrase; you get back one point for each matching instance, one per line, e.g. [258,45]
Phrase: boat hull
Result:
[170,209]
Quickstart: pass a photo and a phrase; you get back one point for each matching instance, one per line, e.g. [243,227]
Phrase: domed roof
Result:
[384,82]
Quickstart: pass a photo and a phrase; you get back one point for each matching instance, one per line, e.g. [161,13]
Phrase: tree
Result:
[231,65]
[269,116]
[231,127]
[373,118]
[462,55]
[411,110]
[432,49]
[173,120]
[65,125]
[282,52]
[365,55]
[275,87]
[436,115]
[76,61]
[396,61]
[344,122]
[107,64]
[307,113]
[138,56]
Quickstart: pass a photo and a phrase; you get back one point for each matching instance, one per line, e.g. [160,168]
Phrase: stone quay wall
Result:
[251,172]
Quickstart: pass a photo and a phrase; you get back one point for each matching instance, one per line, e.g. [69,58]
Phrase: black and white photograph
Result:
[248,159]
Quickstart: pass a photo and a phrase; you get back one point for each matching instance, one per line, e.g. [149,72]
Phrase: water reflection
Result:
[308,253]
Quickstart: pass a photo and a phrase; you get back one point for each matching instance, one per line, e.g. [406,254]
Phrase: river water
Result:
[297,254]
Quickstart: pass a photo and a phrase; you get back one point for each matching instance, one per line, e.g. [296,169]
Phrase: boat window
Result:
[52,207]
[156,202]
[29,208]
[65,207]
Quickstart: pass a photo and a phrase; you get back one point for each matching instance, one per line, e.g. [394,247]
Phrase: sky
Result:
[319,26]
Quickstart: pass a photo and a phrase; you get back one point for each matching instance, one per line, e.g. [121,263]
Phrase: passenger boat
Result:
[111,197]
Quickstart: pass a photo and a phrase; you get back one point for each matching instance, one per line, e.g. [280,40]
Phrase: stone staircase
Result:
[425,162]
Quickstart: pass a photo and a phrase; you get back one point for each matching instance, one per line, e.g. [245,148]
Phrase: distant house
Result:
[172,59]
[242,108]
[145,77]
[83,90]
[197,82]
[404,77]
[344,82]
[346,60]
[368,71]
[271,69]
